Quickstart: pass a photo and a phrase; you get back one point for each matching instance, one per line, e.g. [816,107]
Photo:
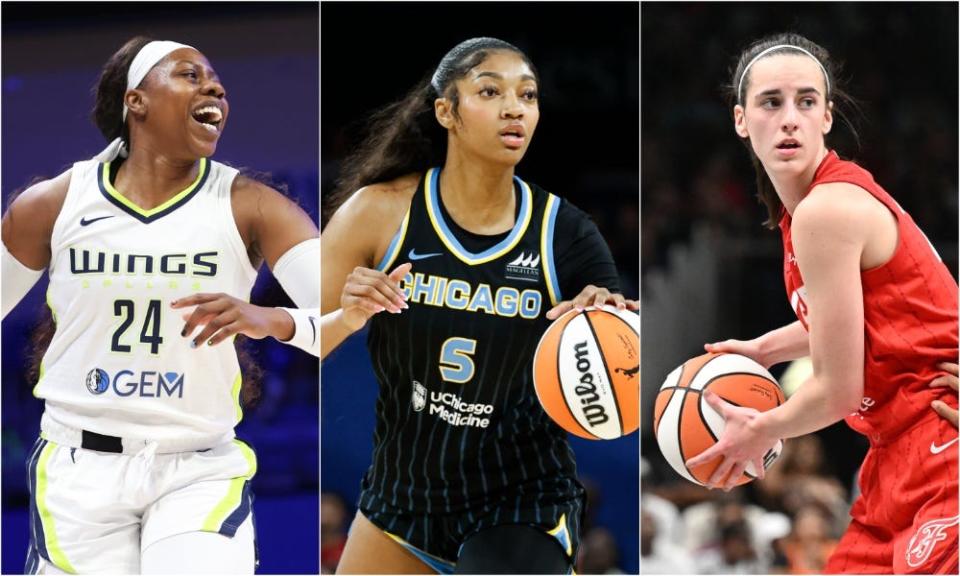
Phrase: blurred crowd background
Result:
[710,271]
[585,150]
[266,55]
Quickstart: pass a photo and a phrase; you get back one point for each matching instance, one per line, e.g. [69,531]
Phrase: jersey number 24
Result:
[149,332]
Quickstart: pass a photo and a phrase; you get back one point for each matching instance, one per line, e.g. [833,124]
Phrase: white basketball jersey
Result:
[117,364]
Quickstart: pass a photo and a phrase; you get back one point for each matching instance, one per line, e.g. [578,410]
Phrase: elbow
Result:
[850,399]
[842,396]
[851,406]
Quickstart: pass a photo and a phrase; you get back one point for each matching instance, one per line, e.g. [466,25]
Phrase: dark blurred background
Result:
[266,53]
[710,271]
[585,150]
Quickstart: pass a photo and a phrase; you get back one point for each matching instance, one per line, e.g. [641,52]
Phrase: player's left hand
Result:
[592,296]
[222,316]
[950,379]
[742,442]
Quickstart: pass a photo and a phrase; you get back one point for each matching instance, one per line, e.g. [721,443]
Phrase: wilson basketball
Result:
[685,425]
[586,372]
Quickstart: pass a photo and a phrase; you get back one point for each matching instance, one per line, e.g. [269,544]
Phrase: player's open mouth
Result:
[209,117]
[788,147]
[513,136]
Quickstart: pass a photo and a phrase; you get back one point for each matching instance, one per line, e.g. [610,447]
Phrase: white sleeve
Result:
[298,272]
[17,281]
[306,335]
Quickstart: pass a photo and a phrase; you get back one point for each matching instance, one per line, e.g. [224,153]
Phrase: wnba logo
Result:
[419,398]
[923,542]
[97,381]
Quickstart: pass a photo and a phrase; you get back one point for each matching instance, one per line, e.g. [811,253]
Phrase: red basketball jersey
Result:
[909,313]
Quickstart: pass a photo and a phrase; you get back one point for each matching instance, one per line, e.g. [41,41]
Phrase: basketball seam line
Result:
[563,332]
[606,370]
[617,316]
[711,381]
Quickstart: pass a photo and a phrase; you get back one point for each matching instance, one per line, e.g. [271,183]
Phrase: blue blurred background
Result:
[267,56]
[585,150]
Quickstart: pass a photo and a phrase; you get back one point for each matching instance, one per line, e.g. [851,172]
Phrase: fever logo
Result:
[922,543]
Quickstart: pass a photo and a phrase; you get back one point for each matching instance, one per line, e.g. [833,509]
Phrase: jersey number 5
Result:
[149,333]
[456,364]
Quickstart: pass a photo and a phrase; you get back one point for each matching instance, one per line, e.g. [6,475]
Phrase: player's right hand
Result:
[748,348]
[368,292]
[743,441]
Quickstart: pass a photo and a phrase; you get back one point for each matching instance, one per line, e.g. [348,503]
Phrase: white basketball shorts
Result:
[95,512]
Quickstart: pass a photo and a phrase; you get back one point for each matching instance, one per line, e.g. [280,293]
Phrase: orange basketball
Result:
[685,425]
[586,372]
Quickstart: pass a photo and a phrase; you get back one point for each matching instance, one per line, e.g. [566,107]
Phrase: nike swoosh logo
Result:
[314,326]
[934,449]
[85,222]
[414,256]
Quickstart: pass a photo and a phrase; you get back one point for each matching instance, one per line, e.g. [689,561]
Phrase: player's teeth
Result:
[212,110]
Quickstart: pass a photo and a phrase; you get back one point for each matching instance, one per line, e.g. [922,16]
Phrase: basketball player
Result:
[461,264]
[877,312]
[137,469]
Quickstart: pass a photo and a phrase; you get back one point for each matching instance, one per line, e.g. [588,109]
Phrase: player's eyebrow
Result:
[497,76]
[778,92]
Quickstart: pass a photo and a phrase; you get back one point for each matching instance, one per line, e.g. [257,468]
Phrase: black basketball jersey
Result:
[458,420]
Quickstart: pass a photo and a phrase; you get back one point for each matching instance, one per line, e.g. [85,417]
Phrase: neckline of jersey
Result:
[445,226]
[144,215]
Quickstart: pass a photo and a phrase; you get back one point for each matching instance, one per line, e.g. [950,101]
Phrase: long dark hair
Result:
[405,137]
[107,113]
[841,103]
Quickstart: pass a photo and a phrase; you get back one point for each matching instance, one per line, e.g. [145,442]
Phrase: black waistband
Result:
[101,442]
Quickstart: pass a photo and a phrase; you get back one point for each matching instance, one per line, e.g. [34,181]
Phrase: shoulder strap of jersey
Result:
[547,230]
[393,250]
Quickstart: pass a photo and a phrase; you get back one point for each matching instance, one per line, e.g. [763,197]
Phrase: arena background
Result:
[267,57]
[585,150]
[711,271]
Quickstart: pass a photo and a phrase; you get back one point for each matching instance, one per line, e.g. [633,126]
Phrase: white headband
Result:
[826,77]
[145,60]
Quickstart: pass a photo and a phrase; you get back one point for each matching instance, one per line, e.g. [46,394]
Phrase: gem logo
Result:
[97,381]
[419,398]
[524,267]
[145,384]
